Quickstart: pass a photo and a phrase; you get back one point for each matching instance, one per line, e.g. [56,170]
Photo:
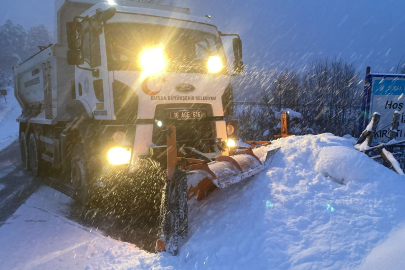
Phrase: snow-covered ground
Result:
[321,205]
[39,236]
[8,114]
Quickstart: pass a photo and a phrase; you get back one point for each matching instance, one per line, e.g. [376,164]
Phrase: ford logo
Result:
[185,87]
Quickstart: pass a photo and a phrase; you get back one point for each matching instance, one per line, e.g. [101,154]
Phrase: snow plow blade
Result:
[226,170]
[186,185]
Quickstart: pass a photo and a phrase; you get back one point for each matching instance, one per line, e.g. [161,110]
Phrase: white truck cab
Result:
[119,73]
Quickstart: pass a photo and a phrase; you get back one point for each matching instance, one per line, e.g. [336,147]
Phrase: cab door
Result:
[92,82]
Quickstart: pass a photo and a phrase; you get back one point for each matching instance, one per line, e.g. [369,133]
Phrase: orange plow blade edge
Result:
[226,170]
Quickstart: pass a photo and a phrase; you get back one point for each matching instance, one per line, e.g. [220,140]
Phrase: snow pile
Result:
[351,138]
[8,114]
[321,205]
[389,255]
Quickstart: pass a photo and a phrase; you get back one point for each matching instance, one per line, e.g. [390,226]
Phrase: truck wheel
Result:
[24,151]
[79,175]
[35,162]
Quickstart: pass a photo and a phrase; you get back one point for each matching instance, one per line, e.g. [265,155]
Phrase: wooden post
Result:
[287,122]
[376,120]
[391,161]
[393,130]
[368,134]
[285,119]
[394,127]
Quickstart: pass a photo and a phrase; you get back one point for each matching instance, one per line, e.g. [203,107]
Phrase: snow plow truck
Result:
[135,87]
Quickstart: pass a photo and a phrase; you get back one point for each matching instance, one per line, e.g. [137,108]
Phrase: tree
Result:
[37,36]
[17,45]
[12,43]
[331,94]
[327,94]
[283,90]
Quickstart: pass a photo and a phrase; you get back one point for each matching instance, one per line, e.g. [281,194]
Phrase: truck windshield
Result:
[186,50]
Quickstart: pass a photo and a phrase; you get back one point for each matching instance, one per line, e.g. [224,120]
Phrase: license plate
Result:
[187,114]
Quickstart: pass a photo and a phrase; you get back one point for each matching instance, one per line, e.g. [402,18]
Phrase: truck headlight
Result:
[214,64]
[153,61]
[231,143]
[119,155]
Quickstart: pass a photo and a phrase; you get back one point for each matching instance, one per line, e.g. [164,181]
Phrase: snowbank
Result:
[297,216]
[8,114]
[389,255]
[321,205]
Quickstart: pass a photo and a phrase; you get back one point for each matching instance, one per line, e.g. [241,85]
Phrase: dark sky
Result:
[28,12]
[284,33]
[280,33]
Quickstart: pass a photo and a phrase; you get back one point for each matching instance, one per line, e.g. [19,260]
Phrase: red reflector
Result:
[160,245]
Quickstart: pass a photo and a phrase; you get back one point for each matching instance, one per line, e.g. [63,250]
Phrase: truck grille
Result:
[198,132]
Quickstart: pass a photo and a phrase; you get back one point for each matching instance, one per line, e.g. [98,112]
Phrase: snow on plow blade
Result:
[226,170]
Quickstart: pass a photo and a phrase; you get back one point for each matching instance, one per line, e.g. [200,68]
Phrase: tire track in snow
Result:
[6,168]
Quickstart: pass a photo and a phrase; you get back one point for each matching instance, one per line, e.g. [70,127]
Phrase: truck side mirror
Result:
[237,48]
[75,57]
[106,14]
[74,35]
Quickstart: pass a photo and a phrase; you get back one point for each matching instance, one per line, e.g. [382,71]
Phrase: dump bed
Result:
[43,86]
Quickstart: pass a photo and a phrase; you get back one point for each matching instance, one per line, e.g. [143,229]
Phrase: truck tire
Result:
[79,174]
[35,162]
[24,151]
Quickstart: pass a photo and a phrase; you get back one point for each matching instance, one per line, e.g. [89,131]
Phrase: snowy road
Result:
[39,236]
[15,186]
[40,227]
